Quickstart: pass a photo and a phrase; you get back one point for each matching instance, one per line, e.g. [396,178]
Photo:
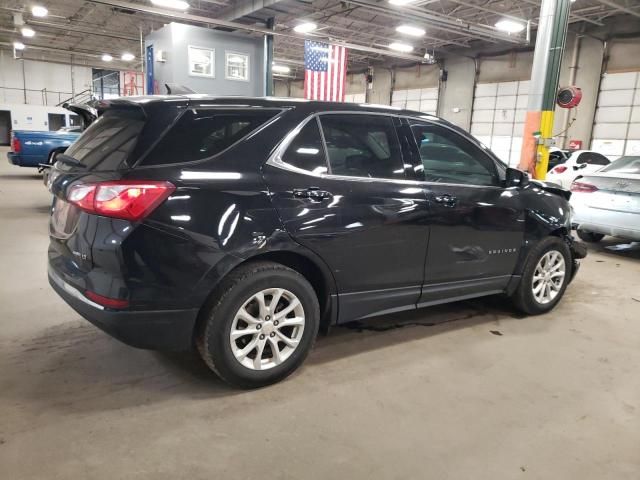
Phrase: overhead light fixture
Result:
[173,4]
[27,32]
[401,2]
[401,47]
[280,69]
[106,57]
[127,57]
[39,11]
[410,30]
[305,27]
[18,45]
[509,26]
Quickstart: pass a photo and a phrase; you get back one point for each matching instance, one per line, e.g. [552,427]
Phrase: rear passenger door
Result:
[342,189]
[477,225]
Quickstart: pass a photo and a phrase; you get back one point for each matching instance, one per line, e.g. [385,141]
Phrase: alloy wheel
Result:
[267,329]
[548,277]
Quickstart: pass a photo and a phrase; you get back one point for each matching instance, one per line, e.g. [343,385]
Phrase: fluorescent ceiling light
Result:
[127,57]
[509,26]
[27,32]
[39,11]
[410,30]
[305,27]
[401,2]
[401,47]
[173,4]
[18,45]
[106,57]
[280,69]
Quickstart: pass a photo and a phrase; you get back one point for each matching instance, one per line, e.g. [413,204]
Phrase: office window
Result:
[201,61]
[237,66]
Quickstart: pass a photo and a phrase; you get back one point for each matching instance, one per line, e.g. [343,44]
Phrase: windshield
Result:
[624,165]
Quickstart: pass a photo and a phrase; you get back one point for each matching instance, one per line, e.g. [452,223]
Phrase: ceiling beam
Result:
[620,8]
[77,28]
[243,8]
[136,7]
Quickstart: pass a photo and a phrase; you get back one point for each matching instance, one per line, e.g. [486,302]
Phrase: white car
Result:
[608,202]
[580,162]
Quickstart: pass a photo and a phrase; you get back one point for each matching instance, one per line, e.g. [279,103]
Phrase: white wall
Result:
[38,76]
[32,117]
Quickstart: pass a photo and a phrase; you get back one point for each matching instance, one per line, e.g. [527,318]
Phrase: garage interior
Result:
[470,389]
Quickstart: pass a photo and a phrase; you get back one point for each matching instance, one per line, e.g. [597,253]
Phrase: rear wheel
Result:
[589,237]
[261,325]
[545,277]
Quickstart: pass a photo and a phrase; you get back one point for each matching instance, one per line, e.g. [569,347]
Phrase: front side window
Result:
[448,157]
[204,133]
[306,151]
[201,61]
[237,66]
[362,146]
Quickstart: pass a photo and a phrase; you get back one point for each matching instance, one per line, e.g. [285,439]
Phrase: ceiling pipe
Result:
[239,26]
[620,8]
[79,29]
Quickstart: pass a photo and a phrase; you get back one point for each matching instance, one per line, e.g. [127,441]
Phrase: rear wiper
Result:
[61,157]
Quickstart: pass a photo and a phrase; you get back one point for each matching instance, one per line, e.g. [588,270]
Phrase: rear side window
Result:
[593,158]
[108,142]
[203,133]
[306,151]
[362,146]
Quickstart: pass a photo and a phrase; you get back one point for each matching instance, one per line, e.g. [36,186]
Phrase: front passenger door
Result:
[477,224]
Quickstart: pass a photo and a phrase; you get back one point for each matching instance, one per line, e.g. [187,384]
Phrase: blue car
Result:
[32,149]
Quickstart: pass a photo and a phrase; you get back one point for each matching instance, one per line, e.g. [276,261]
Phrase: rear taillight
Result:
[559,169]
[127,199]
[16,146]
[583,187]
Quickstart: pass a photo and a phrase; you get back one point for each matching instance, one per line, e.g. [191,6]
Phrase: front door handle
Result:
[446,200]
[312,193]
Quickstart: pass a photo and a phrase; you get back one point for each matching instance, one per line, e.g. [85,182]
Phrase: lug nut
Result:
[267,318]
[272,334]
[258,327]
[275,323]
[262,336]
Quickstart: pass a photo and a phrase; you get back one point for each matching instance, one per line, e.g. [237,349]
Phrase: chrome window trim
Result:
[275,160]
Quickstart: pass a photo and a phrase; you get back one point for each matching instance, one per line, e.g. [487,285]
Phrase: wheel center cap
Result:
[267,327]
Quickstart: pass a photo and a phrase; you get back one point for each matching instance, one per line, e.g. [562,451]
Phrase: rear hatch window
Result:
[108,143]
[203,133]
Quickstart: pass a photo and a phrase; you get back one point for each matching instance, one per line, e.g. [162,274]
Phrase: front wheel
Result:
[261,326]
[545,277]
[589,237]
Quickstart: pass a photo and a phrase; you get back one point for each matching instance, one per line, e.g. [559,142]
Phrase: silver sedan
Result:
[608,202]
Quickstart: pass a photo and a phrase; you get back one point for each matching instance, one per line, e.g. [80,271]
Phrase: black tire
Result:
[589,237]
[213,338]
[523,297]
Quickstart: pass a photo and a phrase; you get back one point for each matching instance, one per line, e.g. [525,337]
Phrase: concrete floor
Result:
[483,394]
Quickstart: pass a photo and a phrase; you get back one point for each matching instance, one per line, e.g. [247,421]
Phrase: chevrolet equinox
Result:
[241,226]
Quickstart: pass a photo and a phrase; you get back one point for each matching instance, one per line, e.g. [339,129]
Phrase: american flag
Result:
[325,71]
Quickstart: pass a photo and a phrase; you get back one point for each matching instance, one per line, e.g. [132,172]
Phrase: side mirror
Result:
[516,178]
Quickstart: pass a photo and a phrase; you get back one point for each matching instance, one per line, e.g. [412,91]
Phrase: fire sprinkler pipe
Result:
[573,70]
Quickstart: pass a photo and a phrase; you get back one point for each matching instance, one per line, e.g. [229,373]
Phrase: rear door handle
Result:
[312,193]
[446,200]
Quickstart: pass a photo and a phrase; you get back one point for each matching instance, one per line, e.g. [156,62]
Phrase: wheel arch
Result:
[307,264]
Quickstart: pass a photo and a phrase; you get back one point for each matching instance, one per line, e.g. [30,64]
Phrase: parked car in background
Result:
[607,202]
[242,225]
[32,149]
[579,162]
[556,157]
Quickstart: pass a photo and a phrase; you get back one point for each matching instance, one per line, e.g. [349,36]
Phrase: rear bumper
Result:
[24,160]
[155,330]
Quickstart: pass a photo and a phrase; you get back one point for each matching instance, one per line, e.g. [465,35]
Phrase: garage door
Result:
[616,129]
[499,111]
[420,99]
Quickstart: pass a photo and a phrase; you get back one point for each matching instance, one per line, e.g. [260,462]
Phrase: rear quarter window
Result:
[203,133]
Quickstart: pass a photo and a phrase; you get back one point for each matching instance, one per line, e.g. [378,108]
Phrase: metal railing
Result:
[30,96]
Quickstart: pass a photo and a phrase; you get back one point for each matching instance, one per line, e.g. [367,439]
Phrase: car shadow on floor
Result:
[21,176]
[75,367]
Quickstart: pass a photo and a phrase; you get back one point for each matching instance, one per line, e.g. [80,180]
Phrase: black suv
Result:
[241,226]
